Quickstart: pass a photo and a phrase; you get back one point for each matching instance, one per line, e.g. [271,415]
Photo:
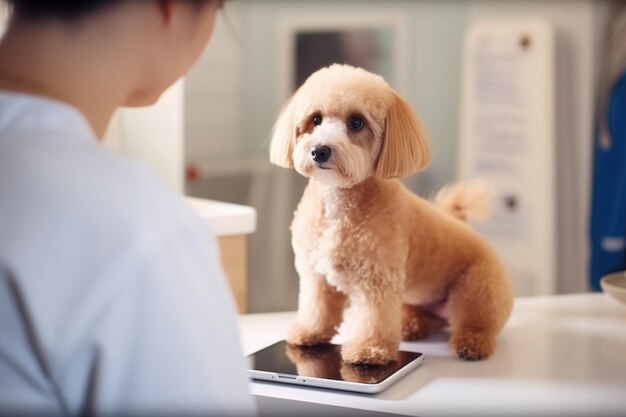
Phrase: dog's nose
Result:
[320,153]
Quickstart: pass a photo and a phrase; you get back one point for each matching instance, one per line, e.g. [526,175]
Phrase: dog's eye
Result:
[356,123]
[317,120]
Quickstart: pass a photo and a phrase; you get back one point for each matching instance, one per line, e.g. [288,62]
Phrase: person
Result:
[112,300]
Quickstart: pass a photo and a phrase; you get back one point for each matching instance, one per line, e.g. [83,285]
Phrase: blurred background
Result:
[458,62]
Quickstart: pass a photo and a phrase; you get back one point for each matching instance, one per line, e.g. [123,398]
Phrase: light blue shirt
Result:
[112,300]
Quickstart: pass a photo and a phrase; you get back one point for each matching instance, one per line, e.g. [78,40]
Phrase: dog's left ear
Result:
[405,147]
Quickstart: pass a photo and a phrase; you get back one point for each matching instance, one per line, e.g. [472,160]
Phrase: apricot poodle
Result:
[400,266]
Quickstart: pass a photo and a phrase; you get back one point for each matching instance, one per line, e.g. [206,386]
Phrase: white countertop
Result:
[224,219]
[561,355]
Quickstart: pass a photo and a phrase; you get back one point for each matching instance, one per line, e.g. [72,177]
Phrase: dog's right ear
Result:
[284,136]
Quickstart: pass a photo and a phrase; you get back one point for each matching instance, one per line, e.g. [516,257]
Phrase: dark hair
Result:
[62,9]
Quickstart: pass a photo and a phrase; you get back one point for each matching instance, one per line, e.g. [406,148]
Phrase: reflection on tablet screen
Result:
[323,361]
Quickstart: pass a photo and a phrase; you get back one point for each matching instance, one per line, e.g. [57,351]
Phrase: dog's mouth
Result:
[323,166]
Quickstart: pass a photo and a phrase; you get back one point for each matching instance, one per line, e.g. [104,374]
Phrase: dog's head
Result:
[345,124]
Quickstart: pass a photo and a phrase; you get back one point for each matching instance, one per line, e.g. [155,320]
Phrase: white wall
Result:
[154,135]
[213,94]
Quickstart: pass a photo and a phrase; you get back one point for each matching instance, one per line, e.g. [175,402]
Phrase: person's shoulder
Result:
[77,186]
[131,195]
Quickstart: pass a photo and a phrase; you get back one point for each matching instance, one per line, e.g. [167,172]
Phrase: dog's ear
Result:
[284,136]
[405,148]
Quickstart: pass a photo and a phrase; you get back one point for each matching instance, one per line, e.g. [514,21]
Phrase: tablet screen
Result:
[323,361]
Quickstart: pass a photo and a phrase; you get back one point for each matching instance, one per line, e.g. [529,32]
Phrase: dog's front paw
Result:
[473,346]
[303,336]
[368,354]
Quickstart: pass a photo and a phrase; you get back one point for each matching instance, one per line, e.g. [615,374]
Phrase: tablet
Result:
[321,366]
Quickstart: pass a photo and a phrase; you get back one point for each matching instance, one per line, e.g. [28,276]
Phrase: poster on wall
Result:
[507,137]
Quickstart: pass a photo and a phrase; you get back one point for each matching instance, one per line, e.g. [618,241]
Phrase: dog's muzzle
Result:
[321,154]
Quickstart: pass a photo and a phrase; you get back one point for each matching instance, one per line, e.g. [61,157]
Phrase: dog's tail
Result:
[469,200]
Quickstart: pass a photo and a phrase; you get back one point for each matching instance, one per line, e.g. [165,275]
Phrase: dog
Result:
[405,267]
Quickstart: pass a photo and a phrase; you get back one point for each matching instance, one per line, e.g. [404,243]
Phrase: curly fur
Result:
[361,238]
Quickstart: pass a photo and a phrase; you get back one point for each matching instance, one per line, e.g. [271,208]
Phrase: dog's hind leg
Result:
[479,304]
[320,311]
[418,323]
